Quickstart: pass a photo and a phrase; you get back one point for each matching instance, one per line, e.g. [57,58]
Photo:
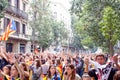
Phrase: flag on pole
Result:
[11,28]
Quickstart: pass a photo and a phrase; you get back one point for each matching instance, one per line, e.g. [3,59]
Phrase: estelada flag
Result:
[11,28]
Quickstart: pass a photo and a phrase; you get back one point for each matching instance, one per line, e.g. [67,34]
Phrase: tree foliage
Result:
[48,29]
[91,13]
[40,21]
[3,4]
[59,32]
[110,27]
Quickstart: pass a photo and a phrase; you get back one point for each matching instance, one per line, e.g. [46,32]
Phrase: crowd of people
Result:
[62,66]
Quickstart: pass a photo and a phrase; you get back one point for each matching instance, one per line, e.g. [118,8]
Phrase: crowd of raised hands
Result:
[48,66]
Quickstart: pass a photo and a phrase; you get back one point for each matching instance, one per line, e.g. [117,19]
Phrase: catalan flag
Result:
[59,68]
[11,28]
[45,78]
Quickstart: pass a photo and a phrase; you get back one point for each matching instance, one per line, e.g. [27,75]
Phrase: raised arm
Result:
[3,53]
[21,72]
[115,59]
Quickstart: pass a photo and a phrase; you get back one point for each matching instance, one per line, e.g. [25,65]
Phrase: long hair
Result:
[25,66]
[38,63]
[16,69]
[58,62]
[49,73]
[9,67]
[73,72]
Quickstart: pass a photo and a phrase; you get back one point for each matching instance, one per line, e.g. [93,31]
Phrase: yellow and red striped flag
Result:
[59,68]
[11,28]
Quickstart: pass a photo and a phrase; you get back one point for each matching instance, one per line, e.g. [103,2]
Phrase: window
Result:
[22,48]
[23,28]
[17,26]
[17,5]
[6,22]
[24,6]
[9,47]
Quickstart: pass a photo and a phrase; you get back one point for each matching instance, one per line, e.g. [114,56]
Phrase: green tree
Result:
[60,34]
[3,4]
[41,22]
[110,27]
[80,33]
[48,29]
[91,14]
[76,40]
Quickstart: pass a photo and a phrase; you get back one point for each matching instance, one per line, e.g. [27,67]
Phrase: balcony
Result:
[13,10]
[17,35]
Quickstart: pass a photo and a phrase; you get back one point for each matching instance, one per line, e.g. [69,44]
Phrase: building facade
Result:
[20,40]
[60,12]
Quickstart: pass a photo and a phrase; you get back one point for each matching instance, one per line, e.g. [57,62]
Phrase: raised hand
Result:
[115,59]
[86,61]
[3,53]
[12,58]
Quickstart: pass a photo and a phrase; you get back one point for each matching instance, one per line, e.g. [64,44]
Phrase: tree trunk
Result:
[111,48]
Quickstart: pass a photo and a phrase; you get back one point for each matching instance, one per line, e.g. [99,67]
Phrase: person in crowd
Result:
[6,71]
[117,76]
[65,62]
[36,70]
[14,73]
[4,60]
[100,60]
[24,67]
[79,65]
[52,73]
[70,73]
[86,77]
[45,68]
[59,67]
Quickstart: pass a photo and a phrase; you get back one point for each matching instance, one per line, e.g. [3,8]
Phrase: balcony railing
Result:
[14,10]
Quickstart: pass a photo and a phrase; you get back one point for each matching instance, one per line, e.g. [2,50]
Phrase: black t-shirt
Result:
[92,74]
[3,62]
